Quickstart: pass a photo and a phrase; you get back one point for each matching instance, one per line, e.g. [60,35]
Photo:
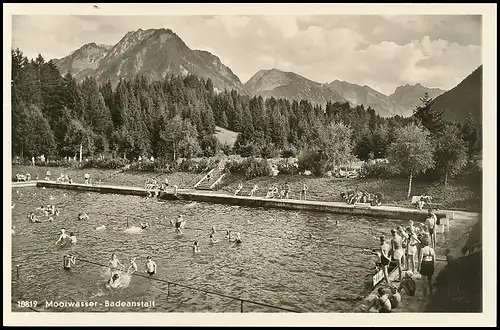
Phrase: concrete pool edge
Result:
[389,212]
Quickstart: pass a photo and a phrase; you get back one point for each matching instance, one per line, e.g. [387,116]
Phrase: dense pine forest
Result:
[54,115]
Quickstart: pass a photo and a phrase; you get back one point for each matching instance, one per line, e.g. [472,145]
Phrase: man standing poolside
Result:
[431,222]
[397,250]
[385,259]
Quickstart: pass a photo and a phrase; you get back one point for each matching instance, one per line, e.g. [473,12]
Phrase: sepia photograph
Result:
[233,160]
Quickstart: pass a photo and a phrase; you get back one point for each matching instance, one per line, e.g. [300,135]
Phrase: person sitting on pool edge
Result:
[150,266]
[380,304]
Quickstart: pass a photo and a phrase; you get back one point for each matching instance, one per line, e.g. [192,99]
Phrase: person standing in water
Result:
[397,251]
[150,266]
[72,238]
[68,260]
[133,266]
[385,259]
[113,264]
[63,237]
[196,248]
[179,223]
[87,178]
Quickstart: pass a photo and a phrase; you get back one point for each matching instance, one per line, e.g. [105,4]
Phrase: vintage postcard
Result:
[249,164]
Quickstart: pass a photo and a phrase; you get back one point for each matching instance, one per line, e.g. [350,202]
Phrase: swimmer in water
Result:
[228,235]
[133,266]
[114,263]
[237,239]
[68,260]
[62,237]
[213,231]
[13,230]
[179,223]
[150,266]
[112,280]
[13,204]
[196,248]
[337,223]
[72,238]
[145,225]
[83,216]
[212,239]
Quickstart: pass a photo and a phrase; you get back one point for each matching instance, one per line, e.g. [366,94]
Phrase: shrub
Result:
[250,167]
[377,170]
[106,163]
[226,148]
[269,151]
[60,163]
[285,168]
[311,160]
[289,151]
[249,150]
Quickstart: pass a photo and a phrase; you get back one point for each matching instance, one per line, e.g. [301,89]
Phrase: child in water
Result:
[150,266]
[68,260]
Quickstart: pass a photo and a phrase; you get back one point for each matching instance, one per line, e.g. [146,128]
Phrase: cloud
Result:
[381,51]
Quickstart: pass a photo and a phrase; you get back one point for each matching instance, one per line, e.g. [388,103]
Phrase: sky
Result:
[383,52]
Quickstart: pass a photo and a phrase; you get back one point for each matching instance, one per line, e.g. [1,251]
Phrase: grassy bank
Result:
[110,177]
[461,196]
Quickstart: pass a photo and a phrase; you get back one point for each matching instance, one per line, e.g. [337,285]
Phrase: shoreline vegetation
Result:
[462,194]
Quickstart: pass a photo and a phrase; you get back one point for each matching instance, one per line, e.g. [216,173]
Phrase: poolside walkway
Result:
[390,212]
[453,240]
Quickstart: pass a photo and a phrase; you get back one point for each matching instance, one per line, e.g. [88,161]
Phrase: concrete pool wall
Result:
[388,212]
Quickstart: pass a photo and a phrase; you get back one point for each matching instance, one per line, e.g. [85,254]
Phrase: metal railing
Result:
[170,283]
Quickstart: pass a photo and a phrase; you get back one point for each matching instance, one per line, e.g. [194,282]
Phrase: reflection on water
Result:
[287,259]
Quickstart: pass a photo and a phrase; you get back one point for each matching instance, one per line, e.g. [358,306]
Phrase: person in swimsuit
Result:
[431,223]
[408,284]
[72,238]
[413,243]
[150,266]
[63,237]
[303,192]
[196,248]
[381,304]
[237,240]
[133,266]
[113,264]
[179,223]
[385,259]
[68,260]
[212,239]
[394,297]
[427,258]
[397,251]
[237,191]
[404,239]
[228,235]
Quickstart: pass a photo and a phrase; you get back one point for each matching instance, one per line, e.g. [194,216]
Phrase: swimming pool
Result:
[287,259]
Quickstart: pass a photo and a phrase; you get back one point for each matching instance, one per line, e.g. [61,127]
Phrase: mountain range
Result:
[158,52]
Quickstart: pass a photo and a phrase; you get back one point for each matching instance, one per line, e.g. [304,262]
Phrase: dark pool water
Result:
[295,260]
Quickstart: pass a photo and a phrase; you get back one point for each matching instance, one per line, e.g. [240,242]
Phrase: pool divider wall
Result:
[382,211]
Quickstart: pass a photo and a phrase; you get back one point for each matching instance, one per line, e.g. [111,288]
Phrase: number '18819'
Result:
[23,303]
